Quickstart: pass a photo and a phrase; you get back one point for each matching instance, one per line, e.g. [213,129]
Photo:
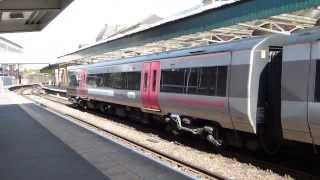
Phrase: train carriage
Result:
[265,87]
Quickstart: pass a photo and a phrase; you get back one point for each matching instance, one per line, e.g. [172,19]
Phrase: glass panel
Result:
[73,81]
[209,81]
[154,82]
[100,81]
[192,81]
[91,80]
[145,81]
[222,80]
[133,80]
[317,83]
[173,80]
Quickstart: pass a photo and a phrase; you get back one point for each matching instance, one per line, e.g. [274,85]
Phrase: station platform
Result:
[55,89]
[38,144]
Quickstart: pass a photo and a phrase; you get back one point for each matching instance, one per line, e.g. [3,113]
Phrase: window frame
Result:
[117,80]
[209,87]
[317,82]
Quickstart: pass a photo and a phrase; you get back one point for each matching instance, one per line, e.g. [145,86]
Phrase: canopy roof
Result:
[219,22]
[29,15]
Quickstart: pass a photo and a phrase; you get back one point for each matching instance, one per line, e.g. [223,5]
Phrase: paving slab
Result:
[38,144]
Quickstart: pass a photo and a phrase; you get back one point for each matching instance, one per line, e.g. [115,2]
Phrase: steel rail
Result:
[203,171]
[194,168]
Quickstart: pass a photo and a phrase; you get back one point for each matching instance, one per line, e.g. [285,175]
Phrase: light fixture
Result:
[16,15]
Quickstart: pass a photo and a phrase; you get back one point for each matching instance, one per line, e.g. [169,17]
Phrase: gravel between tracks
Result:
[228,167]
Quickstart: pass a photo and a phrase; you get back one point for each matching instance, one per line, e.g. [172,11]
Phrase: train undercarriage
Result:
[177,124]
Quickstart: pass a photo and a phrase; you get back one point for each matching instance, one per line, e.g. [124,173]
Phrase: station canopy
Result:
[219,22]
[29,15]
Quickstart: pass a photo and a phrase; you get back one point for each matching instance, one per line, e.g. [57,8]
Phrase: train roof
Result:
[303,36]
[234,45]
[299,37]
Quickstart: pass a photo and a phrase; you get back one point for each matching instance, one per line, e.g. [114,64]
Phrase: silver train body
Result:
[235,103]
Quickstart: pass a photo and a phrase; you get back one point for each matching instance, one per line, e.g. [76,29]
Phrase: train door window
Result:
[154,81]
[133,80]
[145,81]
[317,83]
[173,80]
[222,81]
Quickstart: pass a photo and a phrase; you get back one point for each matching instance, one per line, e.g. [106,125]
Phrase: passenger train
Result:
[257,93]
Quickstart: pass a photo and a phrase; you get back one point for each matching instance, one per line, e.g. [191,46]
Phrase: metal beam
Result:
[227,15]
[265,29]
[11,63]
[295,18]
[16,5]
[7,27]
[43,12]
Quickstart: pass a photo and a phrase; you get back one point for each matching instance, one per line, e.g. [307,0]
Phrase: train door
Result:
[83,90]
[295,92]
[269,123]
[150,83]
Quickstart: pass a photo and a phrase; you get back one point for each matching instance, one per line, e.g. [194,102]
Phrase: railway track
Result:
[189,168]
[186,166]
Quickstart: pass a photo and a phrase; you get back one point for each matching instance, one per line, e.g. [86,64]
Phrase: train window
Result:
[73,82]
[105,80]
[317,83]
[133,80]
[173,80]
[222,81]
[99,80]
[91,80]
[192,81]
[124,80]
[209,81]
[117,80]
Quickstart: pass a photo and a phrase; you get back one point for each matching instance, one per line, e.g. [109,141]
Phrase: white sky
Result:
[83,19]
